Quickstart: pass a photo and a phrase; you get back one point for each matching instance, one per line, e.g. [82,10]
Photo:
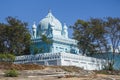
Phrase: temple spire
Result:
[50,14]
[49,11]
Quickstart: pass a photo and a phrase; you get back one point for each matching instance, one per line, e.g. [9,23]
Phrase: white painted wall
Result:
[63,59]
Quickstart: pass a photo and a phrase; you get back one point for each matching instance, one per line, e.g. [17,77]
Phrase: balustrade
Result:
[55,56]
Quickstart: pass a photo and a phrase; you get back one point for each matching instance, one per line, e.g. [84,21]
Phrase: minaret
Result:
[65,32]
[34,27]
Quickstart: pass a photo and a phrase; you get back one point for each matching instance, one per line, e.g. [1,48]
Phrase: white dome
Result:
[50,20]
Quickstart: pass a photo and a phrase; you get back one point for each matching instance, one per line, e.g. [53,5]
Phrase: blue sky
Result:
[67,11]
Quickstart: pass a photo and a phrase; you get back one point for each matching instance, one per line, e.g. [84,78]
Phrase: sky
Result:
[67,11]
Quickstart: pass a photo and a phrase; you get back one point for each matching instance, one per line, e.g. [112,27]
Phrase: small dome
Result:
[50,20]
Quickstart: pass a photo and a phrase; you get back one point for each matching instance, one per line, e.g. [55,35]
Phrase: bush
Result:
[11,73]
[7,57]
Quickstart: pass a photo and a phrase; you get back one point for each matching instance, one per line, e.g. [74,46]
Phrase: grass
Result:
[11,73]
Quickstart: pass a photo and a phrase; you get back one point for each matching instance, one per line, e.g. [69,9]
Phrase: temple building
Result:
[52,28]
[54,47]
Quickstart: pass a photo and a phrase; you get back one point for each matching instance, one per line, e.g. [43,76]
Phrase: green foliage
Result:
[11,73]
[95,35]
[6,57]
[46,40]
[14,36]
[113,32]
[84,32]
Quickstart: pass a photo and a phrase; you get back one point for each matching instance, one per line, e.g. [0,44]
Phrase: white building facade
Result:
[60,51]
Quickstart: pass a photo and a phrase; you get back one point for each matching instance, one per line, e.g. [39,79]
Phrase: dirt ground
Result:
[37,72]
[49,74]
[99,77]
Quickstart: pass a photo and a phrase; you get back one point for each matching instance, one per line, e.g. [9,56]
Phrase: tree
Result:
[2,37]
[15,37]
[98,33]
[112,27]
[91,36]
[83,33]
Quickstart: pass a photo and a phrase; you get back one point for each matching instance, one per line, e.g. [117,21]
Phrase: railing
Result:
[51,56]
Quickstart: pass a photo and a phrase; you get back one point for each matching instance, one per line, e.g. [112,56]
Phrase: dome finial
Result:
[50,14]
[49,11]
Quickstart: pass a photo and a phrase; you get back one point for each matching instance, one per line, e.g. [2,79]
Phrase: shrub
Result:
[10,57]
[11,73]
[7,57]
